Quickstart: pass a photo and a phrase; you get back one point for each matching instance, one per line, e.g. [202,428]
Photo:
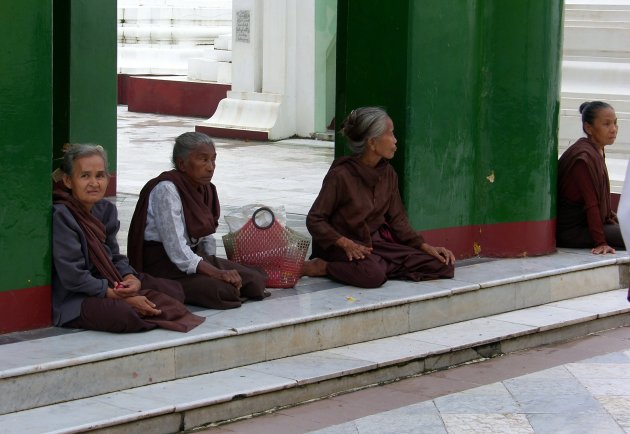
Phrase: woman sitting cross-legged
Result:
[93,285]
[585,217]
[361,234]
[171,231]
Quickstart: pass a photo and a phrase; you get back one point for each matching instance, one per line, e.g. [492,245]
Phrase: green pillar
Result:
[25,195]
[58,85]
[473,89]
[85,76]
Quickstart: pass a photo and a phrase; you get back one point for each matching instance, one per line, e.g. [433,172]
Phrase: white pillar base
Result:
[251,111]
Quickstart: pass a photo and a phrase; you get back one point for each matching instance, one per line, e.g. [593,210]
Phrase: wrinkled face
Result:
[603,130]
[385,145]
[88,181]
[200,164]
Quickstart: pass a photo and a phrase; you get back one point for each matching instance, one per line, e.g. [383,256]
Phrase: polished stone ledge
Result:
[313,299]
[307,375]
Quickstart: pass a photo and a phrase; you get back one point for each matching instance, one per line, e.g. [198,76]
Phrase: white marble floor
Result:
[288,172]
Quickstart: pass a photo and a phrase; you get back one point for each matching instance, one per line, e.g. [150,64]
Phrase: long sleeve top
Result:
[167,225]
[582,192]
[355,201]
[74,277]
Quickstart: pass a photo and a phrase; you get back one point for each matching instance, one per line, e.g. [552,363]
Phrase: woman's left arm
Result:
[442,253]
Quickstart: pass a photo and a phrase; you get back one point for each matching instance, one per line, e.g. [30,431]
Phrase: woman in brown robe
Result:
[585,218]
[93,285]
[171,231]
[361,234]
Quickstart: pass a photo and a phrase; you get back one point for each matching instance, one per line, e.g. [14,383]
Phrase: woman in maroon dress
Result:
[585,218]
[361,234]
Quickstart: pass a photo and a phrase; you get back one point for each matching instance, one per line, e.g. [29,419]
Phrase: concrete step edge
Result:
[175,339]
[210,398]
[117,368]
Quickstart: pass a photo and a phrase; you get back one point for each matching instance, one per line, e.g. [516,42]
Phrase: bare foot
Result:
[314,268]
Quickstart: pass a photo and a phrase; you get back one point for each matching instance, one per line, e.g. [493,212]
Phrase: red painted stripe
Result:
[501,240]
[233,133]
[173,97]
[123,85]
[25,309]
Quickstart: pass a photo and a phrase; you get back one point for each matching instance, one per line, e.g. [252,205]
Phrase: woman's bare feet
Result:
[314,268]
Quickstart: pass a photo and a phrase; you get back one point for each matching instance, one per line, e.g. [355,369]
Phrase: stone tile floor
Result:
[581,386]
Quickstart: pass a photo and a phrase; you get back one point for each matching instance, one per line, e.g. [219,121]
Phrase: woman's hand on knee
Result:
[603,249]
[442,253]
[353,250]
[129,286]
[232,277]
[143,305]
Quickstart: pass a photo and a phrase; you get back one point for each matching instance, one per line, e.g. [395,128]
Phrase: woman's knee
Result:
[364,274]
[211,293]
[372,279]
[109,315]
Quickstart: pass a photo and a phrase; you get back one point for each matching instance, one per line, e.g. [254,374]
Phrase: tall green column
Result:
[58,85]
[25,116]
[85,76]
[473,90]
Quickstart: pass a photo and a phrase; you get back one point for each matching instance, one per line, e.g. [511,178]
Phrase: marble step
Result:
[192,402]
[316,315]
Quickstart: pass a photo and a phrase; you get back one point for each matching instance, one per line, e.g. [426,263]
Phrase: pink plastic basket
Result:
[279,250]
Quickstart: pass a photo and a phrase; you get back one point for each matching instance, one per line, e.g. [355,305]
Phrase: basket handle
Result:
[266,210]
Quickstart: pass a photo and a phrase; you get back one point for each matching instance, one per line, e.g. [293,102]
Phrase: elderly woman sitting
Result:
[585,217]
[361,235]
[172,226]
[93,285]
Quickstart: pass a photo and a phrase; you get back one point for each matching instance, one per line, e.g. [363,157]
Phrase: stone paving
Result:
[579,386]
[587,396]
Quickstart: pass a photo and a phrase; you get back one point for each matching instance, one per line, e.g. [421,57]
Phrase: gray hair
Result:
[188,142]
[77,151]
[363,124]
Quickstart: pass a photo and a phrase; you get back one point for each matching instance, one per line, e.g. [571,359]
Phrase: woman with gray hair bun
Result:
[361,234]
[171,231]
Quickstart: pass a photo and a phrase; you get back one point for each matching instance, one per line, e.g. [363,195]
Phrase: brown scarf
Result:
[175,316]
[200,205]
[588,152]
[95,235]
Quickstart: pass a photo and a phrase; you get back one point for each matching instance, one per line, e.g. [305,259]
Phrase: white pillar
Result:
[273,73]
[247,45]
